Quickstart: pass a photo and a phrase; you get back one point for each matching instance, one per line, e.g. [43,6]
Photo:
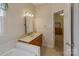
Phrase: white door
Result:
[67,30]
[76,29]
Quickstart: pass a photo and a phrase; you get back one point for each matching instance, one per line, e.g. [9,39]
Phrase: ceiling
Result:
[37,4]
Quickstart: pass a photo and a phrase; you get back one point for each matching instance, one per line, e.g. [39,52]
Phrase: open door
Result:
[59,31]
[67,30]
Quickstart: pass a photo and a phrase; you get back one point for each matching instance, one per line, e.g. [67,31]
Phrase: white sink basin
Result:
[30,37]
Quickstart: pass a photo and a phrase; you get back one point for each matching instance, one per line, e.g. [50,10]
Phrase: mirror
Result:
[28,20]
[59,25]
[29,24]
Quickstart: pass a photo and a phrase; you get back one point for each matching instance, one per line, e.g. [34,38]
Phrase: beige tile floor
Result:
[50,52]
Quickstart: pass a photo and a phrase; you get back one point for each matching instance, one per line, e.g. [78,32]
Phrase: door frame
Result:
[67,30]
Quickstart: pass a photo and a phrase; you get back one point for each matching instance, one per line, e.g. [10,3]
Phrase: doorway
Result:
[59,31]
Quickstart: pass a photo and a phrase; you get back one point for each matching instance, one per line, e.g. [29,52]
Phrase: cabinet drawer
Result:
[37,41]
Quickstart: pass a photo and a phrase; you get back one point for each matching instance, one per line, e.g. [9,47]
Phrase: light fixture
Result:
[62,14]
[28,14]
[3,8]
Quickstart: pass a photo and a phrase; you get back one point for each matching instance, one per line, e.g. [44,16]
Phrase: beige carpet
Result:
[50,52]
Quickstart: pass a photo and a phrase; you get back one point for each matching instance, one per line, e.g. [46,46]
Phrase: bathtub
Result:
[23,49]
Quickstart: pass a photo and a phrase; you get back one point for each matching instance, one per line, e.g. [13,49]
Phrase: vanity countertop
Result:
[30,37]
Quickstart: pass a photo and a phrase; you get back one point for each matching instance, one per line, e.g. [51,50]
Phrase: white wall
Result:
[45,23]
[14,25]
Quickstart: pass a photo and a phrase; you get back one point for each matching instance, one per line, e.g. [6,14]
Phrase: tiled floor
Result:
[50,52]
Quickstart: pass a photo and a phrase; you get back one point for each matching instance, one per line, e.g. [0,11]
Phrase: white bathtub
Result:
[23,49]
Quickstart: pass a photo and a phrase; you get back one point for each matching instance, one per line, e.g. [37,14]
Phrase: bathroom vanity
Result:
[34,38]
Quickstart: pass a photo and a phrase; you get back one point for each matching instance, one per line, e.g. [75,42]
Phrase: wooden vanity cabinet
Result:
[37,41]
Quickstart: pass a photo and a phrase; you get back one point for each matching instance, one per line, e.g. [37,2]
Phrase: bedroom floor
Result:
[50,52]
